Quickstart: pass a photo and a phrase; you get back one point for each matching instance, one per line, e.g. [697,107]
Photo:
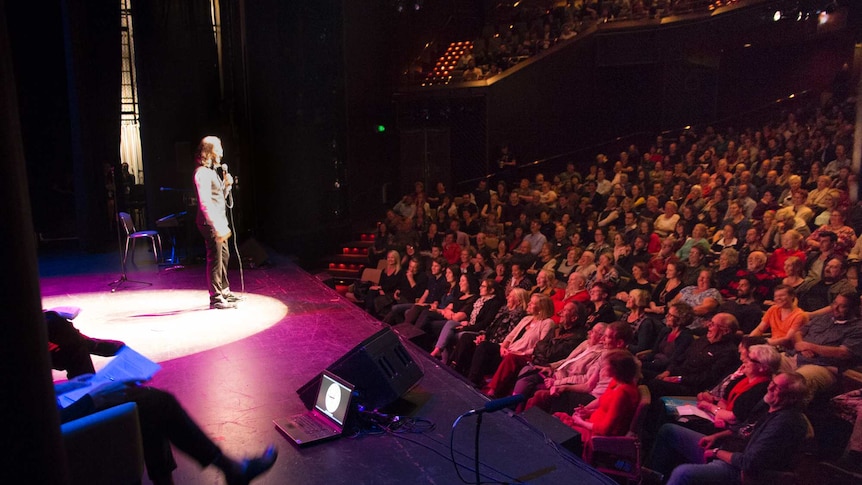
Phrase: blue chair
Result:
[105,448]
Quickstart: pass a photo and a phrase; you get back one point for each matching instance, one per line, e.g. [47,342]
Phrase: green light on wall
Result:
[381,129]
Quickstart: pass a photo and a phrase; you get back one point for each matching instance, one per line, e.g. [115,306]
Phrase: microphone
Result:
[224,167]
[497,404]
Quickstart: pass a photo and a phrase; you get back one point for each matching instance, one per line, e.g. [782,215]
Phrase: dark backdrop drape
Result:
[176,61]
[92,40]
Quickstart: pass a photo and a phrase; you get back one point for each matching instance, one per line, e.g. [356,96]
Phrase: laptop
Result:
[325,421]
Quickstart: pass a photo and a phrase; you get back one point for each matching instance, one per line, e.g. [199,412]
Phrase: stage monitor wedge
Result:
[379,367]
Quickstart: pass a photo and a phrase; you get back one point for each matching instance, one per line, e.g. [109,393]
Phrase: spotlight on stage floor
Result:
[167,324]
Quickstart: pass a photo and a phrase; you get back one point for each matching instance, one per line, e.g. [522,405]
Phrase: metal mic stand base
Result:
[118,283]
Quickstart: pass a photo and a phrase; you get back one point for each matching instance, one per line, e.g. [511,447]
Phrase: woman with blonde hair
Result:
[546,283]
[791,242]
[522,340]
[389,279]
[644,328]
[506,319]
[666,222]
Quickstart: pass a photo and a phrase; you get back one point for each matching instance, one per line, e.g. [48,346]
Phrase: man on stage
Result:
[213,191]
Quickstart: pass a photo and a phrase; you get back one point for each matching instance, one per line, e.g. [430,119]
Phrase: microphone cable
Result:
[229,203]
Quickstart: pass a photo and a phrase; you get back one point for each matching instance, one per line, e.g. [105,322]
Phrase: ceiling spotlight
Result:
[776,16]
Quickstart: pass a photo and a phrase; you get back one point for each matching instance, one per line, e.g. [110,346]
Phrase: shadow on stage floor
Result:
[237,370]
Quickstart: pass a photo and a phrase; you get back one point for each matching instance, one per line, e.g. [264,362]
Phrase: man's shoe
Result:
[104,348]
[232,298]
[251,468]
[220,303]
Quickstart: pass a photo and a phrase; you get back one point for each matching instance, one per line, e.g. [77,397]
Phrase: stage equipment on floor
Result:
[380,367]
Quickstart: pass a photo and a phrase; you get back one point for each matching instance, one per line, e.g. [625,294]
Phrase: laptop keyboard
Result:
[307,424]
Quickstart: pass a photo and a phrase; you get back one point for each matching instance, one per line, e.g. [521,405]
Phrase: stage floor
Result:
[237,370]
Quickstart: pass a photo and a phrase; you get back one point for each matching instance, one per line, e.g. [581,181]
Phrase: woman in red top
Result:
[791,242]
[612,413]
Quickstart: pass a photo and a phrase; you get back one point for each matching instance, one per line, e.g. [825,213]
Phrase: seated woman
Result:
[728,265]
[605,273]
[555,345]
[644,327]
[665,223]
[566,265]
[791,242]
[600,242]
[383,292]
[465,259]
[667,288]
[645,229]
[612,413]
[546,283]
[481,315]
[520,342]
[383,242]
[703,298]
[725,239]
[698,237]
[743,390]
[794,268]
[546,260]
[638,281]
[501,255]
[452,291]
[784,318]
[459,310]
[507,317]
[768,440]
[672,341]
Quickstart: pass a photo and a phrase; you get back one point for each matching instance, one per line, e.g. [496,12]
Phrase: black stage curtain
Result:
[178,89]
[31,442]
[93,59]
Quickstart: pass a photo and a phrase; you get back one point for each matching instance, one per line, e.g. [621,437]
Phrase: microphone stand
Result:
[476,450]
[119,282]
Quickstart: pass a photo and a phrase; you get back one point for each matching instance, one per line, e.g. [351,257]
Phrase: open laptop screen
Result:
[333,398]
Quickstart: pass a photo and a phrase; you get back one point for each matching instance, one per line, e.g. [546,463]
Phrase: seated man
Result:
[559,342]
[572,391]
[767,441]
[817,296]
[435,288]
[830,343]
[707,361]
[756,267]
[164,422]
[70,349]
[746,309]
[570,370]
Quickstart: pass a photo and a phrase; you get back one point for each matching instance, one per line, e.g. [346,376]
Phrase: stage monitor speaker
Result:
[408,330]
[554,429]
[252,253]
[379,367]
